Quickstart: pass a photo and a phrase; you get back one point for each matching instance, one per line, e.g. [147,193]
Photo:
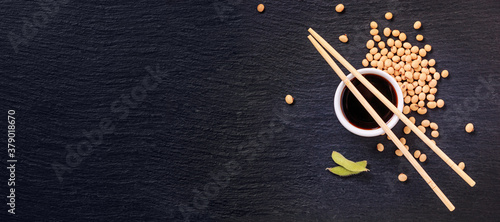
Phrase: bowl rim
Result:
[364,132]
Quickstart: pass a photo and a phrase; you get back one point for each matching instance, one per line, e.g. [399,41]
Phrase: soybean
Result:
[412,119]
[414,107]
[388,15]
[422,157]
[402,177]
[373,25]
[402,140]
[347,164]
[406,130]
[437,76]
[444,73]
[369,57]
[469,128]
[402,37]
[339,8]
[399,152]
[260,7]
[395,33]
[398,45]
[416,154]
[440,103]
[434,126]
[381,45]
[365,63]
[422,52]
[343,38]
[380,147]
[425,123]
[387,32]
[417,25]
[434,133]
[421,128]
[428,48]
[406,109]
[432,62]
[289,99]
[421,103]
[431,97]
[370,44]
[461,165]
[431,104]
[420,37]
[422,110]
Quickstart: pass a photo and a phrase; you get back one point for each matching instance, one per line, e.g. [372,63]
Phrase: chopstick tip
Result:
[472,184]
[452,208]
[310,30]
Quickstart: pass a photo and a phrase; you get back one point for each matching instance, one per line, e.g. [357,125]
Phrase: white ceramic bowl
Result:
[364,132]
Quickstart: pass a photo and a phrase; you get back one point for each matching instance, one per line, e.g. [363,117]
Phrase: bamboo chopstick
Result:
[393,108]
[382,124]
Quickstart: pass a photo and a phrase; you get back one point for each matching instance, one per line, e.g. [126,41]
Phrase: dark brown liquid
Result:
[356,113]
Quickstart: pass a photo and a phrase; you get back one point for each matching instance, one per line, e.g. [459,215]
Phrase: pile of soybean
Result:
[415,74]
[391,52]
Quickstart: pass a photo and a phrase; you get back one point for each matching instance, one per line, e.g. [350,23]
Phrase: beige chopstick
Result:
[382,124]
[393,108]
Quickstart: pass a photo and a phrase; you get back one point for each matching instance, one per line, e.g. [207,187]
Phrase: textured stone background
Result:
[214,140]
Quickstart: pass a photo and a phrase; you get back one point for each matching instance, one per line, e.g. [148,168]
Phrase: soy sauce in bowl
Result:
[356,114]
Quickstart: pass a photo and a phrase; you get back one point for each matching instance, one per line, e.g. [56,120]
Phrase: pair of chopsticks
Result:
[315,38]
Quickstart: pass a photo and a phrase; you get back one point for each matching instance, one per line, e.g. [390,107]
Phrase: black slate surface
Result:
[211,138]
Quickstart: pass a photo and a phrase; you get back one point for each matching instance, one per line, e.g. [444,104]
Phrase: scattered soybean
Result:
[388,15]
[402,177]
[422,157]
[469,128]
[426,123]
[289,99]
[461,165]
[434,126]
[416,154]
[339,8]
[435,133]
[343,38]
[260,7]
[417,25]
[406,130]
[380,147]
[399,152]
[440,103]
[444,73]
